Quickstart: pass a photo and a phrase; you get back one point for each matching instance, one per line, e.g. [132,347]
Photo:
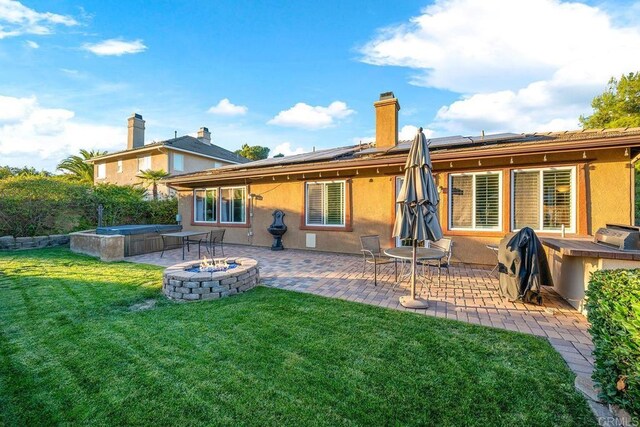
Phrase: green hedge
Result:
[613,306]
[37,205]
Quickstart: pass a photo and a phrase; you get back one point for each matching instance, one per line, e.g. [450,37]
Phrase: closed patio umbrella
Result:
[416,208]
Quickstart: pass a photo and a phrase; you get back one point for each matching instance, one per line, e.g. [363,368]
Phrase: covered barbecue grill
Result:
[618,236]
[523,267]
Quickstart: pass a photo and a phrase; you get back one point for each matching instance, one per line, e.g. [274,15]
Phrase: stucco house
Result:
[178,155]
[559,182]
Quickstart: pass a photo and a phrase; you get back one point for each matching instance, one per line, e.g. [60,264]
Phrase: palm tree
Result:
[76,167]
[151,177]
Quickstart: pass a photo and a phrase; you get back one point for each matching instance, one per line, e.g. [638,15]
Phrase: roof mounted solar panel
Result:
[449,141]
[314,156]
[496,137]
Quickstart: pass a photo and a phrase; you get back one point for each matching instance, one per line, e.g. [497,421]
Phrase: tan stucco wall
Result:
[372,200]
[608,195]
[193,163]
[129,173]
[611,190]
[159,160]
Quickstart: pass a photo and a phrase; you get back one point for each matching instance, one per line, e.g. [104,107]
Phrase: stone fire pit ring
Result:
[181,285]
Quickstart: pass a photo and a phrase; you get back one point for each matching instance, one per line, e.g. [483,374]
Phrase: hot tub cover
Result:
[127,230]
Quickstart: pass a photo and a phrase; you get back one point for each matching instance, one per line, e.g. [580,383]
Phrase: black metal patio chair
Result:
[215,238]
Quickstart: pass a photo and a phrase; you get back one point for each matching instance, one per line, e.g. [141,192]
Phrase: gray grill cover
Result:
[523,267]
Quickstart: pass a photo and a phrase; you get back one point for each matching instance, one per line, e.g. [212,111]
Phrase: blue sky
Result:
[297,75]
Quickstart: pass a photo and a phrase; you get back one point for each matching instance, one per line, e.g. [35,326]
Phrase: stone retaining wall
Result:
[15,243]
[179,284]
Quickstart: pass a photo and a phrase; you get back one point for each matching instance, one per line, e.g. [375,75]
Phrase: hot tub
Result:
[116,242]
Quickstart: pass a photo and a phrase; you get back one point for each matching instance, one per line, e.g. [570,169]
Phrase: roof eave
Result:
[159,146]
[437,156]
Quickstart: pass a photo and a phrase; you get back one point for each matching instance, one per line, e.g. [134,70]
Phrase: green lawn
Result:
[73,351]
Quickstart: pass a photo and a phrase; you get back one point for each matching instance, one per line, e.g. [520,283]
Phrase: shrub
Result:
[36,205]
[127,205]
[163,211]
[122,204]
[613,307]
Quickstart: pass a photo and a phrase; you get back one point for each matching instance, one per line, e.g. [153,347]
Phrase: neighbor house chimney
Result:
[387,120]
[135,136]
[204,135]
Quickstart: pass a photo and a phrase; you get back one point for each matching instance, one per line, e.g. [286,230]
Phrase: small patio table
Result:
[405,253]
[184,236]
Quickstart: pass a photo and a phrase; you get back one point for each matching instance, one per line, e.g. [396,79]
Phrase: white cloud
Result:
[115,47]
[37,136]
[539,106]
[513,73]
[408,132]
[16,19]
[13,110]
[305,116]
[286,149]
[32,44]
[226,108]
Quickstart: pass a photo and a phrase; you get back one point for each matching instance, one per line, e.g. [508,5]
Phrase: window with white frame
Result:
[233,204]
[102,170]
[144,163]
[178,162]
[544,199]
[325,203]
[205,203]
[119,166]
[475,201]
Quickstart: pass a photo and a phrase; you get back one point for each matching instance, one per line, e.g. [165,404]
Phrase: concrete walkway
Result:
[470,294]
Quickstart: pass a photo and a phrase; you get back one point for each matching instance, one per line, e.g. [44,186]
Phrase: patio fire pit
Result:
[210,279]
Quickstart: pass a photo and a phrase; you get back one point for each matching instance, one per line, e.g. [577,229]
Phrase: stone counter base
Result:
[178,284]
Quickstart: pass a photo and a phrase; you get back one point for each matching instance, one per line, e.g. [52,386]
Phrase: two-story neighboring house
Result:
[176,156]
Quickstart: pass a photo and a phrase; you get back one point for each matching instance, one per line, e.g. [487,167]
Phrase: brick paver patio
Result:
[470,294]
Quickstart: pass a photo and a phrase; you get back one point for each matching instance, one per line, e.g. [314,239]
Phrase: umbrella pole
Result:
[410,301]
[414,268]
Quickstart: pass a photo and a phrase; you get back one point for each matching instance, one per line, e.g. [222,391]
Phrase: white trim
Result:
[215,213]
[473,201]
[324,213]
[102,166]
[119,166]
[573,217]
[234,187]
[145,159]
[178,156]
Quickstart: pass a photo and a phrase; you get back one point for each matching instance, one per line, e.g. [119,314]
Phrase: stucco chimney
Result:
[204,135]
[387,120]
[135,135]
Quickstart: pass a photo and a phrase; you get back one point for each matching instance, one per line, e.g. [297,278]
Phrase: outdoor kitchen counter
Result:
[587,248]
[572,260]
